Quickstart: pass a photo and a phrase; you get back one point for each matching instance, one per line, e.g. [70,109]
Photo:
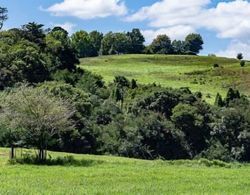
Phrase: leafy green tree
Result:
[133,84]
[239,56]
[179,47]
[231,95]
[81,139]
[194,43]
[232,129]
[21,60]
[242,63]
[34,33]
[59,48]
[219,101]
[96,41]
[193,122]
[161,45]
[39,116]
[3,16]
[121,81]
[115,43]
[137,41]
[81,42]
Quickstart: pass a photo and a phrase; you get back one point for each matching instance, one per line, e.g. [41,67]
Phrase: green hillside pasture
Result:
[195,72]
[115,175]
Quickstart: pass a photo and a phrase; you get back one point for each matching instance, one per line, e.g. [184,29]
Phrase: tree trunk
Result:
[42,154]
[12,152]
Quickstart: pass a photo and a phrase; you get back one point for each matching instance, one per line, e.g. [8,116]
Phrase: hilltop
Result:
[195,72]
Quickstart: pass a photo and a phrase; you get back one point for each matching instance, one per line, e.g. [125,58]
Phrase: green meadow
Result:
[116,175]
[195,72]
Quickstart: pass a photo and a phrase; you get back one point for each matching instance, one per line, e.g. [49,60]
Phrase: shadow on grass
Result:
[59,161]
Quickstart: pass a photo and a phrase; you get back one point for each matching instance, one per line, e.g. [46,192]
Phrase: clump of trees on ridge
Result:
[47,103]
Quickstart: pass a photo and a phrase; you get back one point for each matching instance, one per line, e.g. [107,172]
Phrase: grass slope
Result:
[196,72]
[114,175]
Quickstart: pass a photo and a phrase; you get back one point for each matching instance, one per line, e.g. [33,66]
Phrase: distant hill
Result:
[196,72]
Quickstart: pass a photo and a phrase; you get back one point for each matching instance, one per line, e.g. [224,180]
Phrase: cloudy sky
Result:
[224,24]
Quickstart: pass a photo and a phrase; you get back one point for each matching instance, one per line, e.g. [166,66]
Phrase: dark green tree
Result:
[179,47]
[219,101]
[82,44]
[194,43]
[239,56]
[34,33]
[137,41]
[3,16]
[231,95]
[161,45]
[96,41]
[62,54]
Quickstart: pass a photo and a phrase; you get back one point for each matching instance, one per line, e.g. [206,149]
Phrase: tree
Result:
[81,43]
[192,122]
[21,60]
[96,41]
[115,43]
[3,16]
[137,41]
[62,54]
[179,47]
[242,63]
[34,33]
[38,115]
[231,95]
[239,56]
[194,43]
[161,45]
[218,101]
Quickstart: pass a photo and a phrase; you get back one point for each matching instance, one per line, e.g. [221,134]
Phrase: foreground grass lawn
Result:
[114,175]
[196,72]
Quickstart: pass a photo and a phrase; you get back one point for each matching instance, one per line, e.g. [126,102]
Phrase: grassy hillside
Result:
[196,72]
[114,175]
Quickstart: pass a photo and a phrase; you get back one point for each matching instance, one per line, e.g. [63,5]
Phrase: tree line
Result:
[95,43]
[48,103]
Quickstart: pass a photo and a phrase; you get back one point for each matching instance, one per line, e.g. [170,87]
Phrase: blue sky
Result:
[224,28]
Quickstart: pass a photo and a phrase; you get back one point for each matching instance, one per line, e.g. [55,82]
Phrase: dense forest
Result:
[48,102]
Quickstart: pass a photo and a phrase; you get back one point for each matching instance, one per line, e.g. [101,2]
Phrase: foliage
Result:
[242,63]
[137,41]
[37,115]
[194,43]
[161,45]
[3,16]
[239,56]
[81,42]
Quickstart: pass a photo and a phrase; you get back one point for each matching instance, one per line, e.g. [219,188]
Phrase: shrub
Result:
[216,65]
[242,63]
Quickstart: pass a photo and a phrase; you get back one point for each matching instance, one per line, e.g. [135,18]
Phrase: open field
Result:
[196,72]
[115,175]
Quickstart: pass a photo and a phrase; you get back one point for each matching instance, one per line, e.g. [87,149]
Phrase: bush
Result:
[242,63]
[62,161]
[216,65]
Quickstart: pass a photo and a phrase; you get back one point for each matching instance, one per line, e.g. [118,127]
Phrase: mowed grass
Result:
[115,175]
[195,72]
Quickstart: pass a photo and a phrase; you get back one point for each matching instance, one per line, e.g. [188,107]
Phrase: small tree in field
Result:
[239,56]
[242,63]
[36,115]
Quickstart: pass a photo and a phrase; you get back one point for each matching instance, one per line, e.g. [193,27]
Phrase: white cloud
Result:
[175,32]
[170,12]
[236,47]
[89,9]
[229,19]
[69,27]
